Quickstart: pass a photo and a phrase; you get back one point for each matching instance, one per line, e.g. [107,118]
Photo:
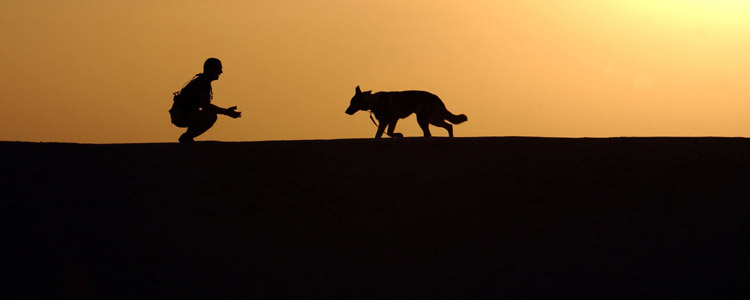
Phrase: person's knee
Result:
[206,118]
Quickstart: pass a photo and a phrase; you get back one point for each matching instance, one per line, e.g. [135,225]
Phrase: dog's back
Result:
[403,103]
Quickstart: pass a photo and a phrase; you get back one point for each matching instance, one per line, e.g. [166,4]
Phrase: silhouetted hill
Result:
[394,218]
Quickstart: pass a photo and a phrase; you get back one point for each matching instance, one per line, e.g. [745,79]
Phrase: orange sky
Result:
[103,71]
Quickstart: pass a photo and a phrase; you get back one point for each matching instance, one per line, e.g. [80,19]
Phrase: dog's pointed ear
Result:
[368,92]
[358,91]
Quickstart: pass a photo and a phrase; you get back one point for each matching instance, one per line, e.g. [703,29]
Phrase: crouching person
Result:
[192,108]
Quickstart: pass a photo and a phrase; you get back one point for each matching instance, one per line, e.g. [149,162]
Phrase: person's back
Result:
[188,98]
[192,108]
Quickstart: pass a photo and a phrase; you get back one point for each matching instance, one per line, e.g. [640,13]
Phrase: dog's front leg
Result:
[392,127]
[381,128]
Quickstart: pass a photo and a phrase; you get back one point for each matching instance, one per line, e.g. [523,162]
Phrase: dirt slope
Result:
[408,218]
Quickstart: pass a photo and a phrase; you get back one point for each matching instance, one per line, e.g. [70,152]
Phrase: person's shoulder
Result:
[202,81]
[199,82]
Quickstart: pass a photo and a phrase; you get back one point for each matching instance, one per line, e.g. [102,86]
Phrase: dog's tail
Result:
[455,119]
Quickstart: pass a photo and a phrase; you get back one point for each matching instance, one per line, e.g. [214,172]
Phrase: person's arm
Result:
[232,111]
[206,104]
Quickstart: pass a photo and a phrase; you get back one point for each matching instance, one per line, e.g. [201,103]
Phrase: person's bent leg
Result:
[181,119]
[201,121]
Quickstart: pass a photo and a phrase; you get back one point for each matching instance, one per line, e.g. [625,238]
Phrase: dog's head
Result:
[359,101]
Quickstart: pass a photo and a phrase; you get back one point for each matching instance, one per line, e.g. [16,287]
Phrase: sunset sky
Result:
[104,71]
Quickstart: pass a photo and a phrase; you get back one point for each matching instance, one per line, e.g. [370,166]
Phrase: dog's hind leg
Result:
[443,124]
[392,127]
[424,123]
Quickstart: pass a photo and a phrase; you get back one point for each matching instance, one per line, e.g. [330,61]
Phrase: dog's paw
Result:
[397,135]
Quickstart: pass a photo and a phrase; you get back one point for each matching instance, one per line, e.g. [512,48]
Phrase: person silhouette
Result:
[192,108]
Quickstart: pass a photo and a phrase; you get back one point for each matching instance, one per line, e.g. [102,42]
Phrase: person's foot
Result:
[185,139]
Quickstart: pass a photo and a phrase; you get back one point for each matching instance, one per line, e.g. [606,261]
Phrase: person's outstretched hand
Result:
[232,112]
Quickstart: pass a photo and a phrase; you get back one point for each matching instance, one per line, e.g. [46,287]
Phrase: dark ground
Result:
[409,218]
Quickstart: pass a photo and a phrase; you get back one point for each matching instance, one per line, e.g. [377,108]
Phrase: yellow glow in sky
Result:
[104,71]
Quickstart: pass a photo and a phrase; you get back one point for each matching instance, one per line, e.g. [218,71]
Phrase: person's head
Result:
[212,68]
